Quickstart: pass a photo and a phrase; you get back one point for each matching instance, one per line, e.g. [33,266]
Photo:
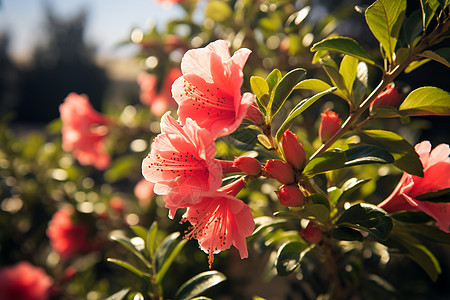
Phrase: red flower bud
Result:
[312,233]
[290,195]
[388,97]
[293,151]
[329,125]
[255,115]
[280,170]
[248,165]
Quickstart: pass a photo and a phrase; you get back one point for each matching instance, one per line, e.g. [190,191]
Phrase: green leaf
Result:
[150,240]
[429,8]
[318,211]
[247,134]
[139,231]
[282,90]
[261,90]
[427,100]
[121,168]
[126,243]
[344,45]
[360,84]
[313,84]
[218,11]
[273,78]
[440,196]
[263,222]
[412,27]
[168,261]
[411,216]
[336,78]
[347,69]
[350,186]
[406,158]
[441,55]
[336,159]
[288,257]
[369,218]
[385,18]
[346,234]
[161,254]
[119,295]
[298,109]
[319,199]
[127,266]
[416,64]
[198,284]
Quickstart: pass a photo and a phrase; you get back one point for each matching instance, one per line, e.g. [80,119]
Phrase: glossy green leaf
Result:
[163,251]
[406,158]
[440,196]
[385,18]
[262,223]
[247,134]
[350,186]
[369,218]
[273,78]
[444,3]
[441,55]
[318,211]
[150,240]
[198,284]
[334,193]
[346,234]
[168,261]
[344,45]
[121,167]
[139,231]
[319,199]
[347,69]
[298,109]
[261,89]
[416,64]
[126,243]
[119,295]
[360,84]
[427,100]
[412,27]
[218,11]
[336,159]
[283,89]
[429,8]
[411,216]
[313,84]
[336,78]
[429,233]
[127,266]
[288,257]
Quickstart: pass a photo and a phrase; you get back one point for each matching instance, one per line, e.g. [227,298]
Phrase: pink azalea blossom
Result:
[160,102]
[84,131]
[144,192]
[24,281]
[209,91]
[436,169]
[220,220]
[181,163]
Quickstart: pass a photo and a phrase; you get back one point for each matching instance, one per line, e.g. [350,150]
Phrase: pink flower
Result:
[290,195]
[181,163]
[280,170]
[312,233]
[83,131]
[388,97]
[67,237]
[209,91]
[24,281]
[255,115]
[220,220]
[436,169]
[160,102]
[293,151]
[144,191]
[329,125]
[248,165]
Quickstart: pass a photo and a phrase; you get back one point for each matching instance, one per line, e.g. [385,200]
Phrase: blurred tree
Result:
[63,63]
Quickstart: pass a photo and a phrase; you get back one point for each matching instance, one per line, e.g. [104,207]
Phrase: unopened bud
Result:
[280,170]
[254,114]
[329,125]
[388,97]
[312,233]
[290,195]
[293,151]
[248,165]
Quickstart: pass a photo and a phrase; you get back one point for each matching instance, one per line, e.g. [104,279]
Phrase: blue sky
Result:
[109,21]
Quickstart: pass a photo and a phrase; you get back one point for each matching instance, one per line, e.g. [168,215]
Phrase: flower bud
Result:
[248,165]
[254,114]
[329,125]
[388,97]
[280,170]
[290,195]
[312,233]
[293,151]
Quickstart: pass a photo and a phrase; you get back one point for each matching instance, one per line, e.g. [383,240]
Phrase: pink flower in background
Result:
[181,163]
[436,169]
[209,91]
[160,102]
[329,125]
[67,237]
[84,131]
[220,220]
[144,191]
[24,281]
